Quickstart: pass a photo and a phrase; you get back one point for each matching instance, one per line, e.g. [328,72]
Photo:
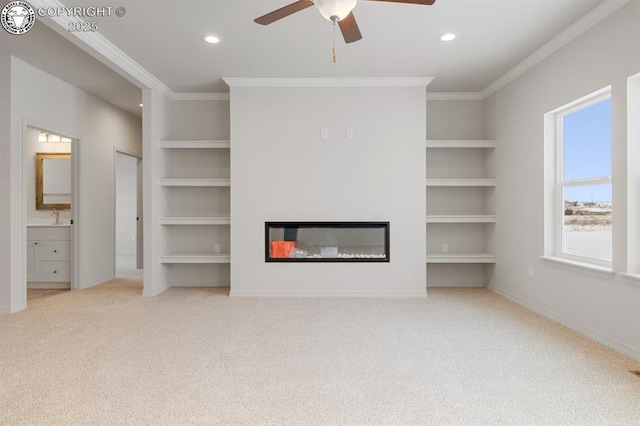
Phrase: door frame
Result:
[75,201]
[139,227]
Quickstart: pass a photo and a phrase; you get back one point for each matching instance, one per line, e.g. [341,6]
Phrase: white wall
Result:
[154,130]
[455,119]
[43,101]
[607,309]
[281,170]
[126,204]
[6,208]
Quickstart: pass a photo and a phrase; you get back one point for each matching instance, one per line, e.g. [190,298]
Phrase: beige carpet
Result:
[195,356]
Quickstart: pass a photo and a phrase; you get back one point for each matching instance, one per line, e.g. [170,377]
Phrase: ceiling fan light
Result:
[339,8]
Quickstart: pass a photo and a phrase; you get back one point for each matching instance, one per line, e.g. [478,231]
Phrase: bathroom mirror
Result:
[53,181]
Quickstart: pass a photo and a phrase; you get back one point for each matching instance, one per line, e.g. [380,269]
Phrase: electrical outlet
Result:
[349,133]
[216,248]
[530,271]
[445,247]
[324,133]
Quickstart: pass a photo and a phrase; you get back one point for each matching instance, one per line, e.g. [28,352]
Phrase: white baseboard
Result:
[198,284]
[623,348]
[8,310]
[94,283]
[155,292]
[232,293]
[48,286]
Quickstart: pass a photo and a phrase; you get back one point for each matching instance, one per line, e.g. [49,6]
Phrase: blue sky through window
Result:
[587,150]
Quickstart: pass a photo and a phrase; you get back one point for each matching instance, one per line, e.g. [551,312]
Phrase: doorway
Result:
[50,189]
[128,216]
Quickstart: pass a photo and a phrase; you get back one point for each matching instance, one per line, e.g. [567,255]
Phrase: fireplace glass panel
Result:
[327,241]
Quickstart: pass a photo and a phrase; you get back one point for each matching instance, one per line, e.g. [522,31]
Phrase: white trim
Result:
[461,258]
[153,293]
[236,293]
[121,62]
[192,221]
[129,68]
[578,328]
[138,157]
[328,82]
[211,96]
[199,284]
[576,29]
[5,310]
[631,279]
[587,268]
[454,96]
[554,174]
[461,182]
[195,182]
[196,258]
[48,286]
[479,218]
[168,144]
[461,143]
[94,283]
[633,173]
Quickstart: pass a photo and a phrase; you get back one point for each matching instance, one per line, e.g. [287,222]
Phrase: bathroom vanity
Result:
[48,256]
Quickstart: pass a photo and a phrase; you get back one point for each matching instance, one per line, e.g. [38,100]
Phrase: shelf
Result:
[461,182]
[484,218]
[196,258]
[195,144]
[460,258]
[213,220]
[195,182]
[444,143]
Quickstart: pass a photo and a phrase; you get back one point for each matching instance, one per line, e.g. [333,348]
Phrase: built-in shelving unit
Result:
[444,143]
[461,182]
[460,258]
[487,218]
[195,182]
[196,216]
[460,217]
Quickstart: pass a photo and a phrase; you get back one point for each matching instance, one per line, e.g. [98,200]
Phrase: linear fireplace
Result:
[326,241]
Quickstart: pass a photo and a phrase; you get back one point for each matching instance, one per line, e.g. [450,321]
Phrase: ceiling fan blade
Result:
[283,12]
[424,2]
[349,28]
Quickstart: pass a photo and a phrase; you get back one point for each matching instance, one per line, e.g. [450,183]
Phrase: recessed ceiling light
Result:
[213,39]
[447,37]
[140,105]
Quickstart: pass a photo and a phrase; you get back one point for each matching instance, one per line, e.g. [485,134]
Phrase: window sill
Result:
[631,279]
[588,268]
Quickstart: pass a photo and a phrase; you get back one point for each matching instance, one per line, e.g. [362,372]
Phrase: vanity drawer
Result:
[54,271]
[48,233]
[54,250]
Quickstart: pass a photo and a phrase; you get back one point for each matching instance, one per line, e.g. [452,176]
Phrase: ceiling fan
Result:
[336,11]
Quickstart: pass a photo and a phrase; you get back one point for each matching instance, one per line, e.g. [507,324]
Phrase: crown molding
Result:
[122,63]
[454,96]
[578,28]
[328,82]
[200,96]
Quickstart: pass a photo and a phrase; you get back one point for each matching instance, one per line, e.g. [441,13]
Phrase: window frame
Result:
[560,184]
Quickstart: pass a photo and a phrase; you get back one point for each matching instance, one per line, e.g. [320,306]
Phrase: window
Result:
[583,188]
